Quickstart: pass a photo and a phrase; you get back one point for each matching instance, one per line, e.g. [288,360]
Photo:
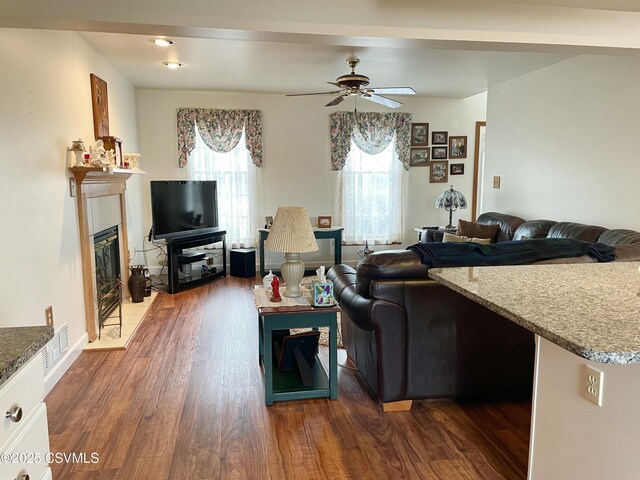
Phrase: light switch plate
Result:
[496,182]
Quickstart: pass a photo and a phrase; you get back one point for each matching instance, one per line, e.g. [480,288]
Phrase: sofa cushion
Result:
[450,237]
[507,224]
[577,231]
[619,236]
[477,230]
[395,264]
[629,252]
[533,229]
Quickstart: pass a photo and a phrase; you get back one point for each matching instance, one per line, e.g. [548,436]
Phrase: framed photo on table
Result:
[419,134]
[324,222]
[439,171]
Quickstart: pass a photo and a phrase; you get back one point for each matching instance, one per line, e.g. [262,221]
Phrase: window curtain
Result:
[370,197]
[372,132]
[220,130]
[237,186]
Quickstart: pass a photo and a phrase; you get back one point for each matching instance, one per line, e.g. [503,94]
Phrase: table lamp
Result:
[451,200]
[77,147]
[291,234]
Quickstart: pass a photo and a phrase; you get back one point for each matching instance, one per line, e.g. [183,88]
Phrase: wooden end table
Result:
[280,386]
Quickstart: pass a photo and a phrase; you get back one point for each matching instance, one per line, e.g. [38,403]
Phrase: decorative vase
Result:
[137,283]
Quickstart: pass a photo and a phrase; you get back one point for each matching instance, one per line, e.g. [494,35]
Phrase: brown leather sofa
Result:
[412,338]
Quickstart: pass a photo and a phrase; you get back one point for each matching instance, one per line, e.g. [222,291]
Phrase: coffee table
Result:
[295,313]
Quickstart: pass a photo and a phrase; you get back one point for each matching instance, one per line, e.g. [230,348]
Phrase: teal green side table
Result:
[280,386]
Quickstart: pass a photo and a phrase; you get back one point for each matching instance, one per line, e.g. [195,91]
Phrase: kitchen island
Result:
[582,315]
[24,436]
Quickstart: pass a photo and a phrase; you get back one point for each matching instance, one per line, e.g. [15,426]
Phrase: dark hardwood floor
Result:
[186,401]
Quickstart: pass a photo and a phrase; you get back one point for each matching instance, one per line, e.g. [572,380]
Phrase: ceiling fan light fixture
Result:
[172,65]
[162,42]
[354,85]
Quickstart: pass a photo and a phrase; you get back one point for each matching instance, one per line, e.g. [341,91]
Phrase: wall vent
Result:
[55,348]
[64,338]
[45,359]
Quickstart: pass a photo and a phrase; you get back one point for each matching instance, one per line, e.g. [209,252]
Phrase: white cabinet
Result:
[24,436]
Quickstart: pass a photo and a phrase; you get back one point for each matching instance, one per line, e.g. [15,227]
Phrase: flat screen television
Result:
[182,208]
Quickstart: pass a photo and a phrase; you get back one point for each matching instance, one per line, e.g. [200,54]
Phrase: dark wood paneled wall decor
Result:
[100,103]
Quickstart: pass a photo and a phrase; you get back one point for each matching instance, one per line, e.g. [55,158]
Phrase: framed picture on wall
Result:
[419,157]
[439,138]
[439,153]
[457,169]
[439,171]
[458,147]
[419,134]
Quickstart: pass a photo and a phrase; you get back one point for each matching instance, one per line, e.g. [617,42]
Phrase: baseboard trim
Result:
[64,363]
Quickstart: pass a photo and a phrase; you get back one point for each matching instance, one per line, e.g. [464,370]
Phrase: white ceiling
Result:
[443,48]
[274,67]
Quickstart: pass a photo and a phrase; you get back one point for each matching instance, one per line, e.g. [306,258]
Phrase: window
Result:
[370,196]
[236,178]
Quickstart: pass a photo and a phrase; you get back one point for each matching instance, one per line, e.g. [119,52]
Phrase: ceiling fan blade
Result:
[383,100]
[335,101]
[317,93]
[394,90]
[334,83]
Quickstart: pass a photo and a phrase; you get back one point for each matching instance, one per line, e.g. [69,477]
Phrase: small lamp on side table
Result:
[451,200]
[291,234]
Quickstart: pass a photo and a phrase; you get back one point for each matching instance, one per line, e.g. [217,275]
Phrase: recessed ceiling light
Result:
[162,42]
[172,65]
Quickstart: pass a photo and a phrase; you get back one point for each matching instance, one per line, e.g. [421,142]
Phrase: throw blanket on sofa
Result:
[466,254]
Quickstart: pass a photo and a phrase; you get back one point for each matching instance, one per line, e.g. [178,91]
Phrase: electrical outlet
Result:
[496,182]
[48,313]
[592,385]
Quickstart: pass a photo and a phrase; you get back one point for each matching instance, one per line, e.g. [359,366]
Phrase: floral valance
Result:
[220,130]
[371,132]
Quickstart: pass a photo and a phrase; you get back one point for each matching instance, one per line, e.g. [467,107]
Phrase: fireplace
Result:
[108,287]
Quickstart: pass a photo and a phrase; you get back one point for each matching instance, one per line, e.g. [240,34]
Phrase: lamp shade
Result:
[291,232]
[77,146]
[451,200]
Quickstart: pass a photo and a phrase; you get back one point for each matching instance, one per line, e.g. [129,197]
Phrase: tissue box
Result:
[322,293]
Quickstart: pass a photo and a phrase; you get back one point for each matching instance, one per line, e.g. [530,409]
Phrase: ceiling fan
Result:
[355,84]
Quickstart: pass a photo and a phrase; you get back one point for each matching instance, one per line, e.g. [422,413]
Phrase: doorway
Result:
[478,170]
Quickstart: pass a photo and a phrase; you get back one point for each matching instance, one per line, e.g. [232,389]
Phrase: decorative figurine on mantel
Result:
[275,290]
[98,154]
[130,160]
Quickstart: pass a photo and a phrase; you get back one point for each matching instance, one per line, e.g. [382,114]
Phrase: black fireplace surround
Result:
[107,254]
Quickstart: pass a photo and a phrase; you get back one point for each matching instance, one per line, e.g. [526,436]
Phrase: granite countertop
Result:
[592,310]
[18,345]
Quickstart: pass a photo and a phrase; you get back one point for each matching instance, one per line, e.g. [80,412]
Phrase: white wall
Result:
[46,103]
[573,438]
[563,139]
[296,150]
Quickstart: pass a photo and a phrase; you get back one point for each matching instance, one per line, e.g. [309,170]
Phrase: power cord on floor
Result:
[347,367]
